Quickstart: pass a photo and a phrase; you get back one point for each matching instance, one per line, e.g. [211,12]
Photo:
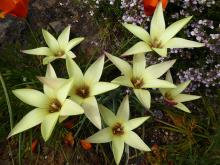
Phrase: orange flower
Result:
[85,144]
[69,139]
[34,145]
[150,6]
[18,8]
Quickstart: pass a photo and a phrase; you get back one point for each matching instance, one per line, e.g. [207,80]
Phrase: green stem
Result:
[19,149]
[82,122]
[32,33]
[7,101]
[127,154]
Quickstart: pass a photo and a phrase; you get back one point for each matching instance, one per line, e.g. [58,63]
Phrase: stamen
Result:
[55,106]
[118,129]
[138,83]
[60,53]
[83,91]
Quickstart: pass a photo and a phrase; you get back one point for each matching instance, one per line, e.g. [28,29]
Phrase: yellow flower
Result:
[160,38]
[56,48]
[174,97]
[119,130]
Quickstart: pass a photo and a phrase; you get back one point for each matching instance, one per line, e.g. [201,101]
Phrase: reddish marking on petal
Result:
[170,102]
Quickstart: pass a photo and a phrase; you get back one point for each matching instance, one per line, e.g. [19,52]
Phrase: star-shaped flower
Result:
[160,38]
[174,97]
[87,86]
[49,107]
[56,48]
[119,130]
[139,77]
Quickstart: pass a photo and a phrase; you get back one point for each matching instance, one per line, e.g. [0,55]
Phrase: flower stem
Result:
[7,101]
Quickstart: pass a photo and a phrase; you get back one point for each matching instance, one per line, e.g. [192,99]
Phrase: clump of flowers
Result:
[76,95]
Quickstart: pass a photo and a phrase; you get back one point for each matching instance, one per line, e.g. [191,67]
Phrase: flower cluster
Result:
[77,94]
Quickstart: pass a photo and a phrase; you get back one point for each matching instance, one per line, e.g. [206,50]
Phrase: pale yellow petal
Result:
[72,43]
[139,64]
[134,123]
[117,149]
[70,108]
[140,47]
[42,51]
[179,88]
[51,41]
[182,43]
[138,31]
[157,26]
[182,107]
[133,140]
[74,70]
[63,38]
[185,98]
[103,136]
[122,80]
[102,87]
[161,51]
[158,70]
[144,97]
[48,125]
[91,111]
[173,29]
[32,97]
[157,83]
[30,120]
[94,72]
[122,65]
[124,110]
[107,115]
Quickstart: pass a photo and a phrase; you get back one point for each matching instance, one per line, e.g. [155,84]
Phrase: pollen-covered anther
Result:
[55,106]
[59,53]
[138,83]
[118,129]
[83,91]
